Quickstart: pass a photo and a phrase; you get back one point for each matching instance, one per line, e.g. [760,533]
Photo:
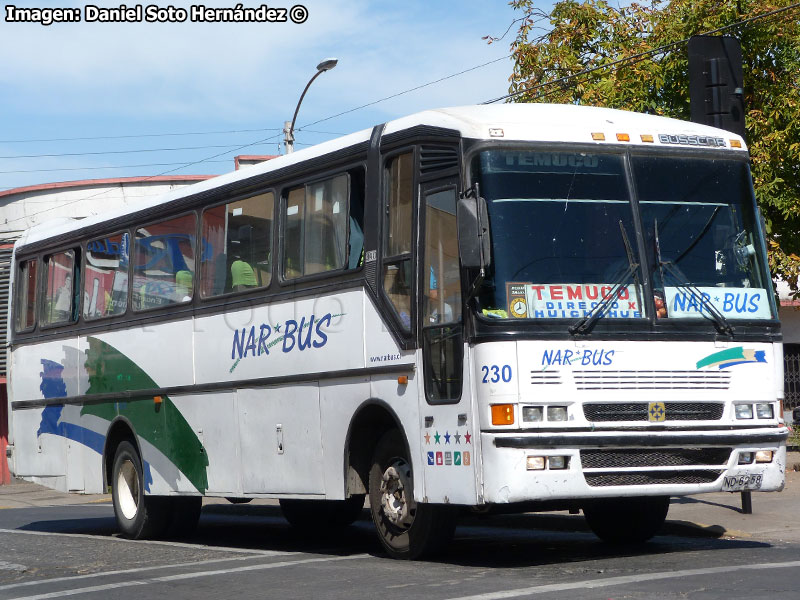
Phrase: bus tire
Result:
[138,516]
[184,515]
[322,514]
[407,529]
[627,520]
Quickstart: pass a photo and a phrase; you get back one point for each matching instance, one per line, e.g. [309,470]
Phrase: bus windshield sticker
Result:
[569,300]
[733,303]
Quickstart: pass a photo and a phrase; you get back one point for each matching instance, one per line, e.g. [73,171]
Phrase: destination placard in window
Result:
[570,300]
[731,302]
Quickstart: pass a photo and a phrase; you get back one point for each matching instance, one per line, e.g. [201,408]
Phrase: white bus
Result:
[497,308]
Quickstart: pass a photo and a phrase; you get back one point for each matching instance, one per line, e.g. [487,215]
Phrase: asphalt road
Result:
[250,552]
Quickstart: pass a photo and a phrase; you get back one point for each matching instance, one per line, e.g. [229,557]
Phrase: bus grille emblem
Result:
[656,412]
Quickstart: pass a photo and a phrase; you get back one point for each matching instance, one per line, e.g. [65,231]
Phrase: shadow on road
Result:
[504,541]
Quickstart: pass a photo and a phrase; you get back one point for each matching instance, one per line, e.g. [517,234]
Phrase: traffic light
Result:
[716,88]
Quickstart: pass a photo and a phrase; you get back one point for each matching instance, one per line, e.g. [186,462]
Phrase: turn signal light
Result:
[502,414]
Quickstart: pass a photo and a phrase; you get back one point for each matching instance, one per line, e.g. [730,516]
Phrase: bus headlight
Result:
[532,414]
[745,458]
[556,413]
[764,456]
[535,463]
[765,411]
[744,411]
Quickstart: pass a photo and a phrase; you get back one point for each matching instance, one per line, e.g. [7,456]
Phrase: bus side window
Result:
[236,246]
[105,288]
[59,294]
[26,295]
[164,263]
[316,227]
[397,271]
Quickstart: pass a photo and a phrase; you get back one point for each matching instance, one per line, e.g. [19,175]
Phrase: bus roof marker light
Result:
[496,132]
[646,137]
[736,144]
[599,137]
[623,137]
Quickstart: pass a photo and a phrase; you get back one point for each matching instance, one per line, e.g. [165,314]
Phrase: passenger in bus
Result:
[183,285]
[242,275]
[61,308]
[438,311]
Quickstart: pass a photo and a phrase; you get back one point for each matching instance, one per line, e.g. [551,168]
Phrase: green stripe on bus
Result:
[163,425]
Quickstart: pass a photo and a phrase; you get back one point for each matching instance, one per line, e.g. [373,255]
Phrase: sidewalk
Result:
[708,515]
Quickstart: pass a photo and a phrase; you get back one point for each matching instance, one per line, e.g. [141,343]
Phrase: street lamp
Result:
[288,127]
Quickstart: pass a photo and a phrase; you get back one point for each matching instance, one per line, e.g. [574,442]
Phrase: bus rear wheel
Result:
[138,516]
[627,520]
[407,529]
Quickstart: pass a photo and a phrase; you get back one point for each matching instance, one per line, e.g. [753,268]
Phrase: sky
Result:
[131,86]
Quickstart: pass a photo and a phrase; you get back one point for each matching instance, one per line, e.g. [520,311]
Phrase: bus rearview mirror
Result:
[474,244]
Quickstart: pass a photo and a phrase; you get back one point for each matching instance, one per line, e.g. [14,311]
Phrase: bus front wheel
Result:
[407,529]
[138,516]
[627,520]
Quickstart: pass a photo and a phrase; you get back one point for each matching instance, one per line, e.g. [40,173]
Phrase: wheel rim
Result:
[128,489]
[397,499]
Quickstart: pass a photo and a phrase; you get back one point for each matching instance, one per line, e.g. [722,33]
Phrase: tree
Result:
[634,57]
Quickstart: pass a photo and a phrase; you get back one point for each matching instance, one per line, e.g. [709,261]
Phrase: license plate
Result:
[743,481]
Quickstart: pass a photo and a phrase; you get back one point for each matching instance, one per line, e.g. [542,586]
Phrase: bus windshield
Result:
[563,237]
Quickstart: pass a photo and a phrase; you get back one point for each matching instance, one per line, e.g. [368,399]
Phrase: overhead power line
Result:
[155,135]
[278,135]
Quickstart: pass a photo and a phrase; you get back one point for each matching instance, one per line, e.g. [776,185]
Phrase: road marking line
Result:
[153,542]
[125,571]
[168,578]
[613,581]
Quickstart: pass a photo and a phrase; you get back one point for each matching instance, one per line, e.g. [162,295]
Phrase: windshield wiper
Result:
[585,323]
[720,322]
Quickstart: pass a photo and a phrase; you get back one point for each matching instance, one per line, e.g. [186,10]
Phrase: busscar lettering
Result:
[43,16]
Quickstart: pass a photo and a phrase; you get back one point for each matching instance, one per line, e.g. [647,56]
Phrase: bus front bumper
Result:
[517,466]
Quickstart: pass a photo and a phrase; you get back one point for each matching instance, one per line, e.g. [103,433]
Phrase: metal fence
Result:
[791,376]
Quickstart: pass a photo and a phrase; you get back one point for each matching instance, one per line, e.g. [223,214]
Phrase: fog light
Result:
[558,462]
[531,414]
[535,463]
[745,458]
[764,456]
[556,413]
[765,411]
[744,411]
[502,414]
